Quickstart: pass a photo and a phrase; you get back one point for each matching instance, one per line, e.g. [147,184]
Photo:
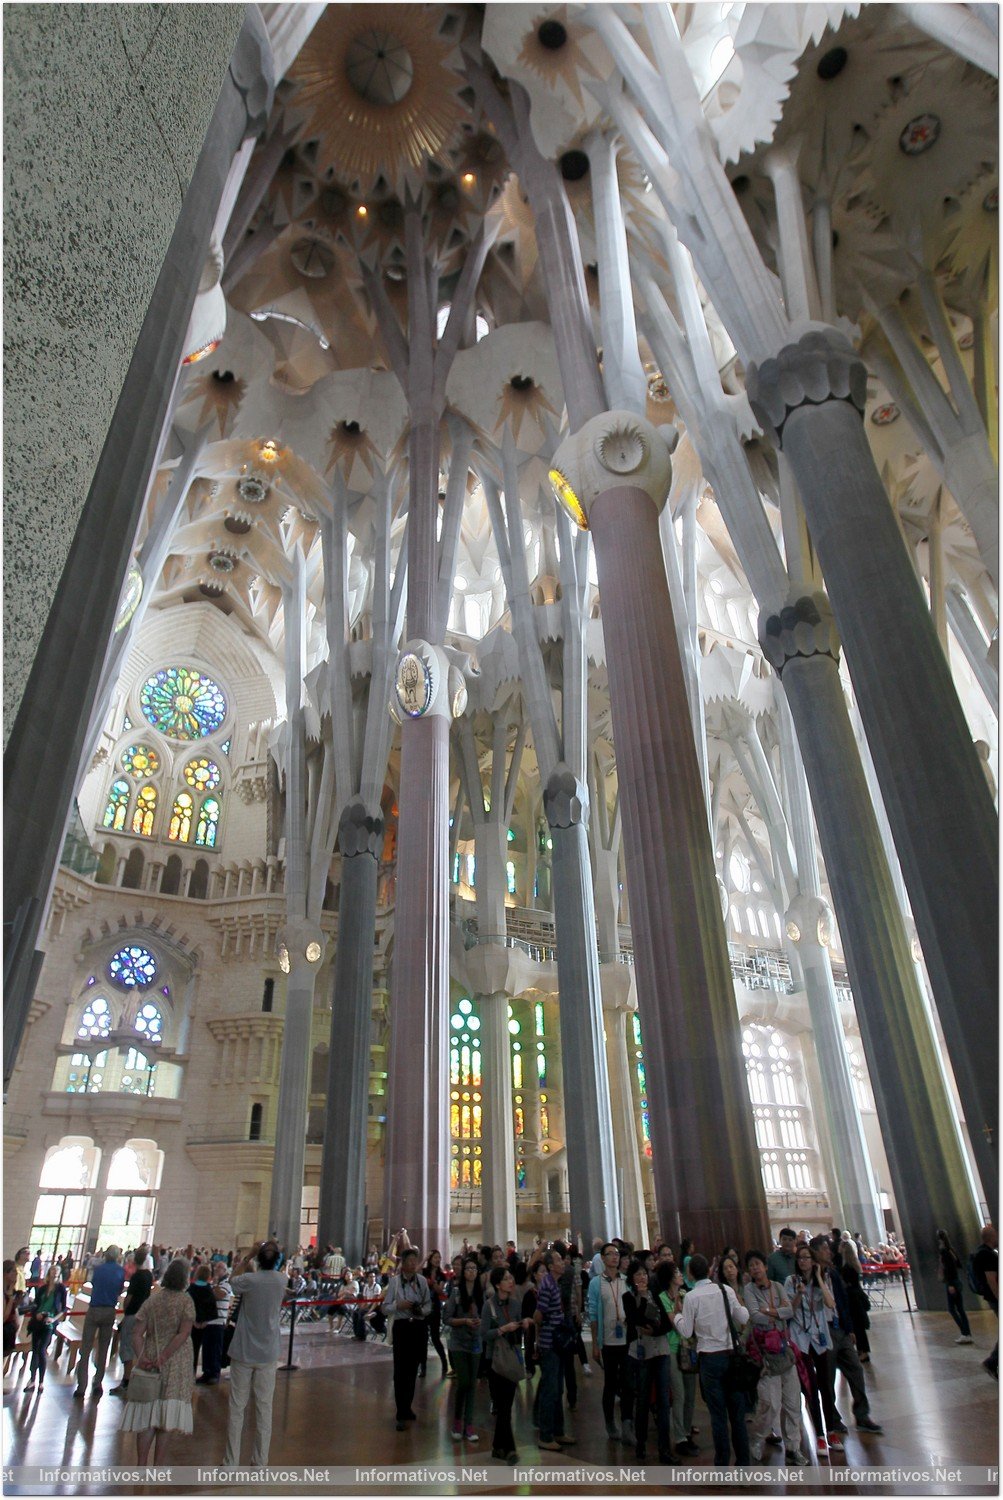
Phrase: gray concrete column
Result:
[303,946]
[591,1160]
[917,1122]
[341,1216]
[417,1139]
[498,1217]
[811,398]
[697,1087]
[66,672]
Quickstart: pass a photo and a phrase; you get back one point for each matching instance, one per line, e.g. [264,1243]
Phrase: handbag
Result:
[144,1385]
[506,1360]
[743,1372]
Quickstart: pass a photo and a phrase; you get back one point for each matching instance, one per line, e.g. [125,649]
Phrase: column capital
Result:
[300,945]
[804,628]
[360,830]
[565,798]
[615,450]
[822,366]
[808,921]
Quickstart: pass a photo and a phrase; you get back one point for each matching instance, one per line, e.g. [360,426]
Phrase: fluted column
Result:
[498,1215]
[591,1160]
[917,1122]
[811,398]
[342,1210]
[417,1139]
[619,1003]
[617,470]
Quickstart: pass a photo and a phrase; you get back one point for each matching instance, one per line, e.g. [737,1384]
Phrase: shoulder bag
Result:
[506,1360]
[743,1372]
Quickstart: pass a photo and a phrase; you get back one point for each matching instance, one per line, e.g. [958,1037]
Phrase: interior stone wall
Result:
[105,111]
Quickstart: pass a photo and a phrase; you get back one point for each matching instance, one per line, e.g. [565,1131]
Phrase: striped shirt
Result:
[548,1305]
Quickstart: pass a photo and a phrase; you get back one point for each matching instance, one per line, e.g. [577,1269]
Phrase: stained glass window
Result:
[202,775]
[541,1067]
[138,1073]
[538,1012]
[544,1121]
[225,747]
[182,703]
[133,968]
[510,877]
[96,1019]
[205,832]
[146,806]
[520,1175]
[140,761]
[520,1121]
[642,1085]
[150,1022]
[180,830]
[86,1074]
[118,805]
[517,1070]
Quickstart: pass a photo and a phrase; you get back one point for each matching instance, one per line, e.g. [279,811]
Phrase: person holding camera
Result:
[408,1305]
[811,1300]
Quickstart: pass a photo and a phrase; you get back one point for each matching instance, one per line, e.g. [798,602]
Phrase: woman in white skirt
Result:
[162,1342]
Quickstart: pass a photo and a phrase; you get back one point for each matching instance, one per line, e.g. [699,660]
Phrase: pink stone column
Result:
[417,1141]
[708,1183]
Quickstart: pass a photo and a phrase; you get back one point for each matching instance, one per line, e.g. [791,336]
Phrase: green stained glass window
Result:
[205,831]
[182,703]
[118,805]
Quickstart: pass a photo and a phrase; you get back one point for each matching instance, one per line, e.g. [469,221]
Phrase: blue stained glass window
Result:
[182,703]
[225,747]
[133,968]
[205,832]
[520,1175]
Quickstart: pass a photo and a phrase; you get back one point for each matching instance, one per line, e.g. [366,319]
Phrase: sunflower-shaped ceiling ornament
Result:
[553,55]
[930,144]
[219,393]
[378,86]
[511,377]
[968,246]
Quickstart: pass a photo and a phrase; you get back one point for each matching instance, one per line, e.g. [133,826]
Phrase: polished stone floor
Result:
[936,1402]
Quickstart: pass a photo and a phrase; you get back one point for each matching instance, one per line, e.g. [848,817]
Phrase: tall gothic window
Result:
[180,830]
[146,807]
[118,806]
[205,832]
[465,1104]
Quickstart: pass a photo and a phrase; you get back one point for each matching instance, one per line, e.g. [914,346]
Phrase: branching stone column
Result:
[301,949]
[614,474]
[811,398]
[417,1140]
[591,1164]
[342,1210]
[917,1122]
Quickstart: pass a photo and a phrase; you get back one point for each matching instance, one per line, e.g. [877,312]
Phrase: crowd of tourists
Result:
[754,1332]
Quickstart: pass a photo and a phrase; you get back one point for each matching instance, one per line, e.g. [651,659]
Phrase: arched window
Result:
[150,1022]
[267,994]
[465,1102]
[180,830]
[96,1019]
[132,875]
[642,1083]
[772,1179]
[170,880]
[198,886]
[254,1128]
[146,806]
[510,877]
[118,805]
[205,833]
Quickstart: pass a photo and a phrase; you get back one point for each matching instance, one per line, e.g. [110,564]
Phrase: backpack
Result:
[975,1279]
